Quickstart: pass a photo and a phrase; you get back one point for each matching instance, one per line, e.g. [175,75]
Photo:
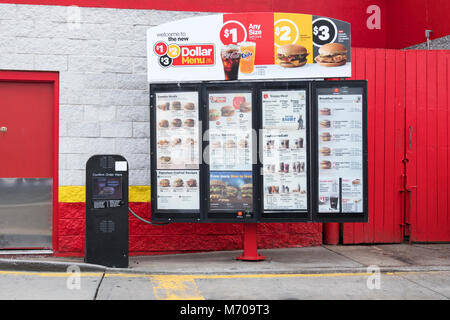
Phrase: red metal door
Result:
[384,71]
[408,120]
[29,158]
[427,145]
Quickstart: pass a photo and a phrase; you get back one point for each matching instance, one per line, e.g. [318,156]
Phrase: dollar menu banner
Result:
[249,46]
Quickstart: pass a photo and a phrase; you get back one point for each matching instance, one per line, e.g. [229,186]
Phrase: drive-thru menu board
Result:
[230,150]
[340,146]
[284,150]
[177,140]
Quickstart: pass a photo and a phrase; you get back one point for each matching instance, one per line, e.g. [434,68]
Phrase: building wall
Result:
[100,54]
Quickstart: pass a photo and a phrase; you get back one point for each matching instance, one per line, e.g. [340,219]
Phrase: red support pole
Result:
[250,244]
[331,233]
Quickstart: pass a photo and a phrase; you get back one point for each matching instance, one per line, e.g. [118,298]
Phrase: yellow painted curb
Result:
[72,194]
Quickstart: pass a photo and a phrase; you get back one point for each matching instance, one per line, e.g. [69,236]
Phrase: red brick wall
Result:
[145,239]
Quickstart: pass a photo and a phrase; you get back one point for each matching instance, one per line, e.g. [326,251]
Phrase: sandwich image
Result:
[164,183]
[189,141]
[189,123]
[164,124]
[191,183]
[214,114]
[356,182]
[243,144]
[325,111]
[245,107]
[325,136]
[227,111]
[325,123]
[216,144]
[164,106]
[291,56]
[217,190]
[232,192]
[325,164]
[325,151]
[230,144]
[176,142]
[332,55]
[163,142]
[189,106]
[176,105]
[165,159]
[178,182]
[176,123]
[247,191]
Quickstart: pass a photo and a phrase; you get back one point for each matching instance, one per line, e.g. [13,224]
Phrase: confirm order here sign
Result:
[249,46]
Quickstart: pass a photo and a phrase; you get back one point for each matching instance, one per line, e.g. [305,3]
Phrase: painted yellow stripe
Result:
[50,274]
[72,194]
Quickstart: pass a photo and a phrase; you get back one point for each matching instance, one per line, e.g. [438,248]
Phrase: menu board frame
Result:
[342,217]
[172,215]
[227,215]
[257,214]
[280,215]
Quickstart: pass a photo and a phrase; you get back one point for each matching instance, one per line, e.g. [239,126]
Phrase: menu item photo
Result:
[178,190]
[231,190]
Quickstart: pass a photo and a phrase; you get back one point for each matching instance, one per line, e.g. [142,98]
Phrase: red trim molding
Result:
[49,77]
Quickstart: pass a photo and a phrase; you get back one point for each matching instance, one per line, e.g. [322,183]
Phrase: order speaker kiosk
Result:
[107,211]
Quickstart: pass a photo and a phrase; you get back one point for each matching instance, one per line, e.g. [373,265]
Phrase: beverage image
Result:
[334,202]
[231,57]
[247,57]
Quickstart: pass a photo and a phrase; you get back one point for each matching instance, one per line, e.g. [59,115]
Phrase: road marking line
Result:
[166,287]
[50,274]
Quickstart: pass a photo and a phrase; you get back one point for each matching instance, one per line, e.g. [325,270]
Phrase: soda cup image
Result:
[231,56]
[248,50]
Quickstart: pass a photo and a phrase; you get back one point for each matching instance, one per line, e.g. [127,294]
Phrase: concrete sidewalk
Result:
[322,259]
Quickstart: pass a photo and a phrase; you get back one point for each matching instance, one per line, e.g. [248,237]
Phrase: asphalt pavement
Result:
[398,271]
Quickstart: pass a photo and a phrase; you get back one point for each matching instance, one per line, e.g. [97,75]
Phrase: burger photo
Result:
[325,136]
[291,56]
[178,182]
[243,144]
[232,192]
[189,141]
[164,183]
[176,123]
[227,111]
[332,55]
[216,144]
[245,107]
[325,151]
[230,144]
[217,190]
[164,124]
[247,191]
[163,143]
[191,183]
[356,182]
[325,111]
[165,159]
[189,123]
[176,105]
[325,164]
[189,106]
[214,114]
[325,123]
[164,106]
[176,142]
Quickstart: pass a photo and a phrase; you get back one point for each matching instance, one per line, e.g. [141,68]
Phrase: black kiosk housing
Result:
[107,211]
